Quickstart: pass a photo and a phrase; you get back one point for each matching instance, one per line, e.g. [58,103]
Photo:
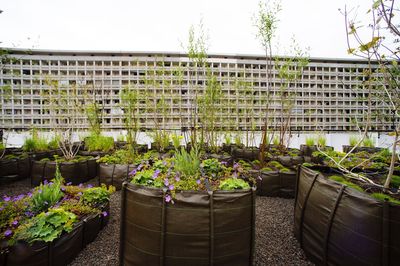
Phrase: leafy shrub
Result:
[97,195]
[47,226]
[276,141]
[99,143]
[238,139]
[233,183]
[211,167]
[266,169]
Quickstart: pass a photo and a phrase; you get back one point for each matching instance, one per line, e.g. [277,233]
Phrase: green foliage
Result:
[353,140]
[344,181]
[321,141]
[78,208]
[121,138]
[47,226]
[130,99]
[99,143]
[233,183]
[228,138]
[96,196]
[187,164]
[93,114]
[395,182]
[46,195]
[310,141]
[176,140]
[238,139]
[119,157]
[382,197]
[245,165]
[161,139]
[2,146]
[53,143]
[147,178]
[276,141]
[266,169]
[308,164]
[368,142]
[211,167]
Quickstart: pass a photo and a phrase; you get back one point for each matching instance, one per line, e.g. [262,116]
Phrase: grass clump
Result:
[345,182]
[310,141]
[382,197]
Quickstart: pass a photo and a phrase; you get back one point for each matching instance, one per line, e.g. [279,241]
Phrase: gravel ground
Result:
[275,242]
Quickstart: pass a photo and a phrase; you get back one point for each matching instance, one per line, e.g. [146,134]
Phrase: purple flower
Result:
[177,178]
[89,186]
[133,172]
[235,175]
[39,191]
[29,194]
[171,187]
[19,197]
[105,213]
[1,208]
[166,182]
[29,214]
[45,182]
[140,167]
[69,183]
[167,198]
[164,163]
[79,193]
[62,189]
[7,233]
[198,181]
[51,183]
[224,163]
[15,223]
[236,166]
[6,198]
[80,185]
[156,173]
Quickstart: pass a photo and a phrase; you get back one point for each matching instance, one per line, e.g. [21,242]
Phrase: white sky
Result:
[161,25]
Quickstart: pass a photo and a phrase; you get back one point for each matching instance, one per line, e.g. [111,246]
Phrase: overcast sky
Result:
[162,25]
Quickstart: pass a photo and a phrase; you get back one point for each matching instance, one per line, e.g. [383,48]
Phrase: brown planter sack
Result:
[114,174]
[337,225]
[276,184]
[215,228]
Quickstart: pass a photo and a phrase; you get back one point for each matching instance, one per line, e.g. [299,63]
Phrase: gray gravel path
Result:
[275,243]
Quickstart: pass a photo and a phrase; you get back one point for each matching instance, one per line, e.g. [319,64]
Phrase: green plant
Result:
[53,143]
[266,169]
[368,142]
[238,139]
[228,138]
[120,138]
[308,164]
[395,182]
[99,143]
[383,197]
[47,195]
[176,141]
[97,195]
[46,226]
[321,141]
[119,157]
[147,178]
[310,141]
[343,181]
[187,164]
[353,140]
[233,183]
[211,167]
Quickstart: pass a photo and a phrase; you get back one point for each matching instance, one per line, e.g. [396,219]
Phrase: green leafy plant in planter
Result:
[35,143]
[368,142]
[46,226]
[176,141]
[99,143]
[227,138]
[119,157]
[353,140]
[310,141]
[187,172]
[321,141]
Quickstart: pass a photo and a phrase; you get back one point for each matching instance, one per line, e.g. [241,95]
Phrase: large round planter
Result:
[289,161]
[200,228]
[114,174]
[337,225]
[276,184]
[72,172]
[14,169]
[61,251]
[246,153]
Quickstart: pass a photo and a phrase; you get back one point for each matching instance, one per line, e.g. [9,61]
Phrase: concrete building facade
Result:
[329,94]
